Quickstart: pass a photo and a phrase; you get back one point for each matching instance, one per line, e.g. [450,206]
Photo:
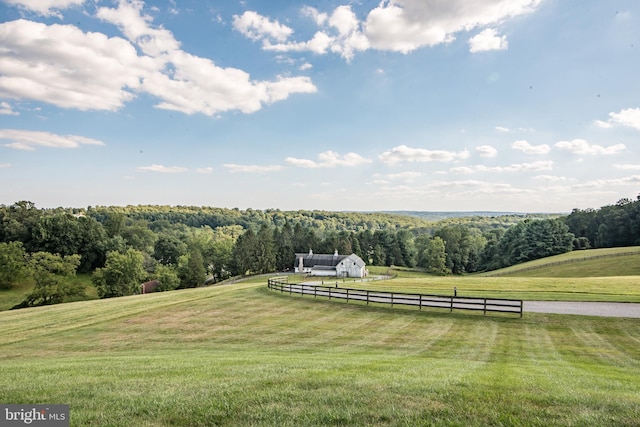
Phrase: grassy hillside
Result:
[14,296]
[243,355]
[590,263]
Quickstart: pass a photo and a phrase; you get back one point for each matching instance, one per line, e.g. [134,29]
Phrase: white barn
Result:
[330,265]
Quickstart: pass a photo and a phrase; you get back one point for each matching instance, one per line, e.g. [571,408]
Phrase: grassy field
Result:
[241,355]
[590,263]
[14,296]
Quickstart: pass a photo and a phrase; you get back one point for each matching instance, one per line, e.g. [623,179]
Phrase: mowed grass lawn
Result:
[241,355]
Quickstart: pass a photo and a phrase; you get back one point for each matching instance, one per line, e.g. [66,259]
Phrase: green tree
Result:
[458,246]
[51,273]
[168,248]
[264,252]
[167,277]
[435,257]
[191,270]
[122,274]
[12,264]
[243,253]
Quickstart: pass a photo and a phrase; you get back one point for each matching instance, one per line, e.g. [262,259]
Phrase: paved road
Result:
[606,309]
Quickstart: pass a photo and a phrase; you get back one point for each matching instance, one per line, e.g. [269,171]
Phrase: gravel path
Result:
[606,309]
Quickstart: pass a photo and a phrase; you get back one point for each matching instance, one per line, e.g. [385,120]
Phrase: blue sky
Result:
[501,105]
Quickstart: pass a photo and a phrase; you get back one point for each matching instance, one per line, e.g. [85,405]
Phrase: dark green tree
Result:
[458,247]
[51,273]
[435,257]
[191,269]
[167,277]
[168,249]
[13,265]
[122,274]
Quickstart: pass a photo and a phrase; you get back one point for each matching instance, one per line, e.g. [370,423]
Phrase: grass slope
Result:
[243,355]
[14,296]
[589,263]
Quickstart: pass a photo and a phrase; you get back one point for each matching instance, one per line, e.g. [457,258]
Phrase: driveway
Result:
[606,309]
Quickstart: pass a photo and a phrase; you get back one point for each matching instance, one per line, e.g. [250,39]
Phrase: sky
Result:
[428,105]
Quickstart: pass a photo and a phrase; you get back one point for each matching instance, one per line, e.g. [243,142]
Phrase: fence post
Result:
[451,305]
[367,297]
[420,302]
[484,312]
[347,295]
[521,308]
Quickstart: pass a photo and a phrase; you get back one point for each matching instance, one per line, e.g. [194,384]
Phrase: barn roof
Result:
[325,260]
[317,260]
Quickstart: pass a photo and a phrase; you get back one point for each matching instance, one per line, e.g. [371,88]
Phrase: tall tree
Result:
[435,257]
[458,247]
[167,277]
[12,264]
[191,269]
[50,273]
[122,274]
[168,248]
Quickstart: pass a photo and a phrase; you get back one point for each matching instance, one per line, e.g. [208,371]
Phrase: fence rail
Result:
[396,298]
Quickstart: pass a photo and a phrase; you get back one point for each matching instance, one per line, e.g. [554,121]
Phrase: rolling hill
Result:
[242,355]
[589,263]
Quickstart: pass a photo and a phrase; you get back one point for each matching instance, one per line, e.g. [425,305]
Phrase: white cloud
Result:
[403,26]
[340,33]
[407,177]
[207,170]
[486,151]
[406,25]
[257,27]
[91,71]
[305,66]
[319,18]
[402,153]
[234,168]
[599,183]
[329,159]
[516,167]
[487,40]
[197,85]
[580,146]
[7,110]
[319,44]
[45,7]
[5,165]
[527,148]
[629,117]
[94,72]
[502,129]
[550,178]
[462,170]
[627,166]
[163,169]
[30,140]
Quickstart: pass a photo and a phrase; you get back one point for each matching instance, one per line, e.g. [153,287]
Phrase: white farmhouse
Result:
[330,265]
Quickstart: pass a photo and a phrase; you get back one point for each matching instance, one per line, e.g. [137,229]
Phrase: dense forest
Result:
[185,246]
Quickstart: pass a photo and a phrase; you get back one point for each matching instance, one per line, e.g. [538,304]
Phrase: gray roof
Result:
[317,260]
[325,260]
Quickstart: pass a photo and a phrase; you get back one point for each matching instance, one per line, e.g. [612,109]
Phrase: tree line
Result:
[183,247]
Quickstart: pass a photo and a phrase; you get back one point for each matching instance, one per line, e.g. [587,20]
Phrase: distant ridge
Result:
[438,215]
